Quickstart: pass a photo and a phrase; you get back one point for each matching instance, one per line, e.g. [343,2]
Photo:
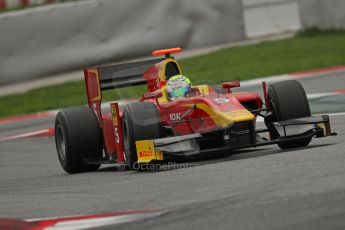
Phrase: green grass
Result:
[308,50]
[18,8]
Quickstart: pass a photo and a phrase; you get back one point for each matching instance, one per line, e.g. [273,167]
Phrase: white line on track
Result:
[336,114]
[259,81]
[43,132]
[319,95]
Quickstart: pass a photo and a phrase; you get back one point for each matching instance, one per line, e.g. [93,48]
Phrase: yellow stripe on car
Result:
[225,119]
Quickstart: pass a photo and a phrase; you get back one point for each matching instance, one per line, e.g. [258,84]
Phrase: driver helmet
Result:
[178,86]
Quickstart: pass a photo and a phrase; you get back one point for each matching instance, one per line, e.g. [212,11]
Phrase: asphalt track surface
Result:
[262,188]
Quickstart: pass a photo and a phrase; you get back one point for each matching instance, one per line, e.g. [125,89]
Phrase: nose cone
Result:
[237,116]
[223,118]
[224,111]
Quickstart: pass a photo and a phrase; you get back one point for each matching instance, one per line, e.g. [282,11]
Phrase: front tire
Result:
[141,121]
[288,100]
[77,136]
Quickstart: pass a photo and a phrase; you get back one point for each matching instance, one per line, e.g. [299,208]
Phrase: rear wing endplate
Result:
[114,76]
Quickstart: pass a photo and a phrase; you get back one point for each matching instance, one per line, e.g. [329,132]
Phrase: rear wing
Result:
[105,77]
[119,75]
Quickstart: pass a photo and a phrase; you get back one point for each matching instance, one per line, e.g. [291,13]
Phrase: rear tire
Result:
[141,121]
[77,136]
[288,100]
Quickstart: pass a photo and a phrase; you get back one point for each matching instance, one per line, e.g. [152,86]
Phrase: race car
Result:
[155,128]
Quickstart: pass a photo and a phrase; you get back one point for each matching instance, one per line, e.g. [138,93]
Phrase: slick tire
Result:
[288,100]
[77,136]
[141,121]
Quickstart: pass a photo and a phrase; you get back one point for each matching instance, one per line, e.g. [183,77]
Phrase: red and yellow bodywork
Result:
[208,113]
[204,112]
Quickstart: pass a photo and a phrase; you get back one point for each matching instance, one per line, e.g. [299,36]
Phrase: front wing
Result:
[187,145]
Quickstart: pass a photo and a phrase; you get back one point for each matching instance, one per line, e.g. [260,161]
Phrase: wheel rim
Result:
[61,143]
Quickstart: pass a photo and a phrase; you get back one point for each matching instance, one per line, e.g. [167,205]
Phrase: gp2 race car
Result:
[156,129]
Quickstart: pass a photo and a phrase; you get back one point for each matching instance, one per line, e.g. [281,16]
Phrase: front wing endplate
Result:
[147,152]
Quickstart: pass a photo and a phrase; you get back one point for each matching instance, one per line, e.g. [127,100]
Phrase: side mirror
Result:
[230,84]
[151,95]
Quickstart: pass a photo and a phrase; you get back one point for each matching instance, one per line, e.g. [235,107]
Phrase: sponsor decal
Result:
[221,100]
[113,113]
[175,116]
[145,153]
[149,95]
